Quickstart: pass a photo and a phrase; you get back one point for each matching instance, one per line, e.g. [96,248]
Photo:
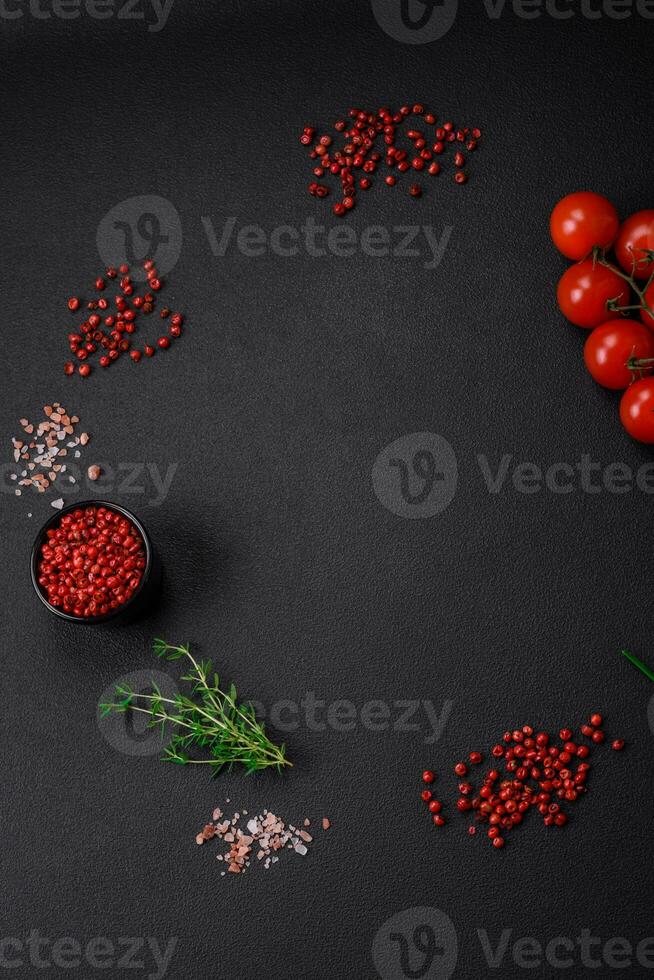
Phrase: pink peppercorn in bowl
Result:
[93,562]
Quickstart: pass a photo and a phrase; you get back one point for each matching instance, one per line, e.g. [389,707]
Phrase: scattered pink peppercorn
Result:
[106,335]
[428,776]
[536,774]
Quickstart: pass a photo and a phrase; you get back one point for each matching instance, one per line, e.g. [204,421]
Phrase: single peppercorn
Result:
[164,342]
[415,190]
[84,370]
[428,776]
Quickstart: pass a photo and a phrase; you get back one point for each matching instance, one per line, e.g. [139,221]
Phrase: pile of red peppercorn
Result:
[358,151]
[109,331]
[539,774]
[92,562]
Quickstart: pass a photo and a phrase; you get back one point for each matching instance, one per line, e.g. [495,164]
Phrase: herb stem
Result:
[212,720]
[639,664]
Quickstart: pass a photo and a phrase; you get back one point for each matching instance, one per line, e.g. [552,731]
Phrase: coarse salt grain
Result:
[264,836]
[44,454]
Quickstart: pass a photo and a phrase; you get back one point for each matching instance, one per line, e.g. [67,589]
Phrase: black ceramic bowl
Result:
[148,587]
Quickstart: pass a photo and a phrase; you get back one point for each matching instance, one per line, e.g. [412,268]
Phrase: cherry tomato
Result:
[636,234]
[647,318]
[584,290]
[637,410]
[609,348]
[582,220]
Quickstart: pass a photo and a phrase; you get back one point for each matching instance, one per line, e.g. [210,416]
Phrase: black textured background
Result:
[294,373]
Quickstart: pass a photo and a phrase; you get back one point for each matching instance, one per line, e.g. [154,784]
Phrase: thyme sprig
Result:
[210,719]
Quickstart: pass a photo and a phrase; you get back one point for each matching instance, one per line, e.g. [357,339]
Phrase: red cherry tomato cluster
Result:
[108,329]
[539,775]
[599,295]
